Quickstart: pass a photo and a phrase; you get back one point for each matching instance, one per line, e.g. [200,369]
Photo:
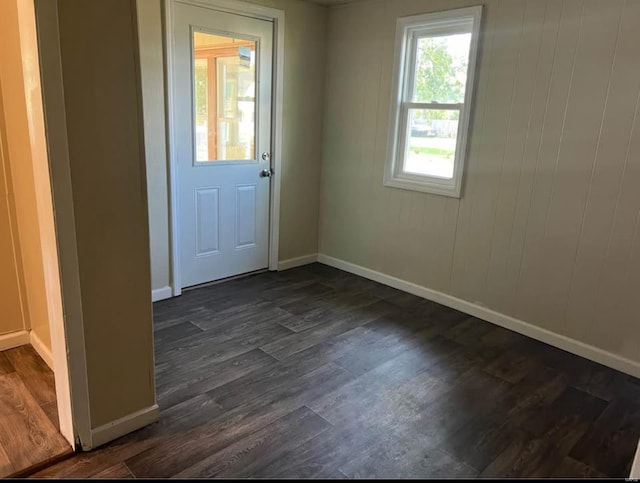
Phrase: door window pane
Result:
[441,68]
[201,107]
[224,98]
[431,142]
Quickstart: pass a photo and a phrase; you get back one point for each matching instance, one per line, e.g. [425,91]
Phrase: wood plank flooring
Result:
[29,436]
[316,373]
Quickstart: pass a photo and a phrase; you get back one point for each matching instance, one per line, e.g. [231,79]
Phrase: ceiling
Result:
[331,2]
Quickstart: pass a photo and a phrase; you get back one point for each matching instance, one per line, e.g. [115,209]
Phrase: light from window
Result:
[224,89]
[434,71]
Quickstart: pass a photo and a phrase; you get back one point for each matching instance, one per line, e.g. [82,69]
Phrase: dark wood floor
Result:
[314,372]
[29,433]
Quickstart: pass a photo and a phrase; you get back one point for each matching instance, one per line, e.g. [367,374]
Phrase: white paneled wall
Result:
[547,229]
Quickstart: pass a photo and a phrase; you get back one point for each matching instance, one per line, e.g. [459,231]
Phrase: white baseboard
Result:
[297,262]
[43,351]
[115,429]
[635,469]
[161,294]
[14,339]
[562,342]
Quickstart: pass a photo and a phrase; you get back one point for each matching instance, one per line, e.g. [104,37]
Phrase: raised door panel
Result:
[246,211]
[207,217]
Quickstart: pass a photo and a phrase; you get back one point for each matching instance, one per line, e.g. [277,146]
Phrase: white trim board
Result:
[297,262]
[560,341]
[14,339]
[161,294]
[43,351]
[125,425]
[68,339]
[635,469]
[26,337]
[238,7]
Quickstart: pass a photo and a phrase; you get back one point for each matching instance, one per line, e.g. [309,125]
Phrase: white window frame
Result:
[408,31]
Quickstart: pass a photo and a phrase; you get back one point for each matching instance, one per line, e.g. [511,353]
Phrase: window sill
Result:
[434,187]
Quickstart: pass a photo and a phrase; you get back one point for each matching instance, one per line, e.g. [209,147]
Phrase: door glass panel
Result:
[431,142]
[224,98]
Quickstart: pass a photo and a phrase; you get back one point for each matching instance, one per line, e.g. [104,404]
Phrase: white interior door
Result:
[222,74]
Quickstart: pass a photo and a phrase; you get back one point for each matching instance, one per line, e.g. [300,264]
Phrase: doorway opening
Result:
[36,424]
[224,114]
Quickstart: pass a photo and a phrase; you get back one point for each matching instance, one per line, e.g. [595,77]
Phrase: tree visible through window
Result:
[442,68]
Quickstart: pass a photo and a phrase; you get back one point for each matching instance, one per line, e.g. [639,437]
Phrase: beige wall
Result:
[303,105]
[25,157]
[153,96]
[304,77]
[547,230]
[102,102]
[13,319]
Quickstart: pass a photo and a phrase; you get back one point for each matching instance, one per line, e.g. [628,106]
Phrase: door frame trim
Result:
[248,10]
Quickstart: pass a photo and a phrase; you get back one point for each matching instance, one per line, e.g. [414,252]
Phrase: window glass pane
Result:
[441,68]
[224,97]
[431,142]
[201,107]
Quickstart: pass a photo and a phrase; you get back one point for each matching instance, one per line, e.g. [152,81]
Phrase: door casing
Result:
[248,10]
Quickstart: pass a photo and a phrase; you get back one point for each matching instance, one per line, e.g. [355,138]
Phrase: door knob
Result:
[266,173]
